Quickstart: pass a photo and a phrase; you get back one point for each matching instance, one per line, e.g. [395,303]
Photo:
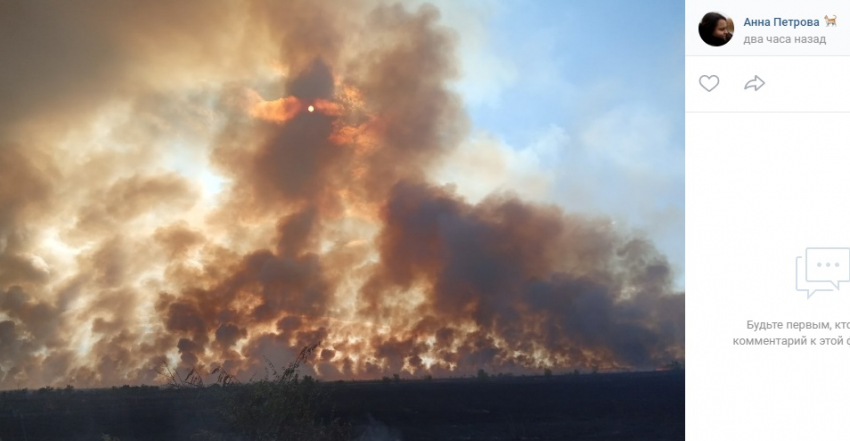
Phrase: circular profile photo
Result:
[716,29]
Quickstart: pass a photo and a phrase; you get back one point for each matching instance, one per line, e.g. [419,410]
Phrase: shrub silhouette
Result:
[280,406]
[676,365]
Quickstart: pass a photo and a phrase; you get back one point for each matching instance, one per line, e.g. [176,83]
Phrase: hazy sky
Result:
[588,96]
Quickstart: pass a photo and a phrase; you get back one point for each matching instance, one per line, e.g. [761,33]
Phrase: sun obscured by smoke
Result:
[166,194]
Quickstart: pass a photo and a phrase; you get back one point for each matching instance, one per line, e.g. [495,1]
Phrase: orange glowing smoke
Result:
[329,108]
[279,110]
[284,109]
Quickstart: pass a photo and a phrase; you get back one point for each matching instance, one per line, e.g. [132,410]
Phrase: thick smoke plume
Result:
[168,194]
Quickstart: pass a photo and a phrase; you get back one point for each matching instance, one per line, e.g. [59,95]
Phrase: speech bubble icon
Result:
[828,265]
[810,288]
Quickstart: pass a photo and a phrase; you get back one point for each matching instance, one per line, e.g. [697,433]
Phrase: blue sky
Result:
[585,101]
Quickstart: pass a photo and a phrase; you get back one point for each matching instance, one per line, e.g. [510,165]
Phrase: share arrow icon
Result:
[755,83]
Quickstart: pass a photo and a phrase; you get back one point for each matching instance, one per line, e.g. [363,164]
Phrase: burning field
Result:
[228,184]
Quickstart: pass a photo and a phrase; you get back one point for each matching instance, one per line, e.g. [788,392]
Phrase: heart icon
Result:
[709,82]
